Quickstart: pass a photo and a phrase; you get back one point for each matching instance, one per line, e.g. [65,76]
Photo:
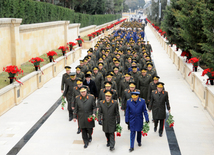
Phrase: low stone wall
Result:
[14,93]
[196,82]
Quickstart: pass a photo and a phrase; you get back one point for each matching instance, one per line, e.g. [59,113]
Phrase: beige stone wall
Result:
[73,32]
[196,82]
[5,44]
[37,39]
[20,43]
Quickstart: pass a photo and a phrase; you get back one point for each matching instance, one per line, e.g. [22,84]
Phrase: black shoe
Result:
[78,131]
[131,149]
[139,144]
[85,146]
[155,129]
[107,144]
[160,134]
[70,118]
[90,139]
[112,148]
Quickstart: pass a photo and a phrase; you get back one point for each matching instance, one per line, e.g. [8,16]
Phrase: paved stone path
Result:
[194,127]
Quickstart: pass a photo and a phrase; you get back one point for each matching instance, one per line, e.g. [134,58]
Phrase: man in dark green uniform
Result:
[102,70]
[109,112]
[69,91]
[79,74]
[98,79]
[152,86]
[102,92]
[65,77]
[143,84]
[135,74]
[109,79]
[83,67]
[84,107]
[118,77]
[127,94]
[158,104]
[151,70]
[76,92]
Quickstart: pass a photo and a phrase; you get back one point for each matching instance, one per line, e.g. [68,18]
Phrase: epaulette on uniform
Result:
[77,96]
[153,90]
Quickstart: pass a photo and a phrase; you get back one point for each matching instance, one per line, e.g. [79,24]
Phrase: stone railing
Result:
[196,82]
[14,93]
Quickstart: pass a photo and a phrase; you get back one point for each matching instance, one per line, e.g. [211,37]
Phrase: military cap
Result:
[115,68]
[100,64]
[160,84]
[67,67]
[79,81]
[133,67]
[156,77]
[107,82]
[144,70]
[88,72]
[108,93]
[149,64]
[83,88]
[78,68]
[135,93]
[72,73]
[132,84]
[87,75]
[127,74]
[95,68]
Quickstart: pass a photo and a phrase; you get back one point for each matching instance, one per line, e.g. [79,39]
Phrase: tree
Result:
[190,20]
[208,30]
[172,26]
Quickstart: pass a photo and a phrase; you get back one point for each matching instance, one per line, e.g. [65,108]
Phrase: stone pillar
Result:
[66,32]
[15,41]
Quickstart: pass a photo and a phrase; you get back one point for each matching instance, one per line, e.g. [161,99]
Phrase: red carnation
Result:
[118,134]
[206,71]
[193,60]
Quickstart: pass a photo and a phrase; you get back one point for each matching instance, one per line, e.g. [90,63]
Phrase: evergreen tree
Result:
[190,20]
[171,26]
[208,27]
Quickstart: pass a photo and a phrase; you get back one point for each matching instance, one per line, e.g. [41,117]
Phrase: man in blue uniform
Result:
[135,109]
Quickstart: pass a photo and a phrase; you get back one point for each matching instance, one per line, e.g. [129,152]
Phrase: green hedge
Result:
[38,12]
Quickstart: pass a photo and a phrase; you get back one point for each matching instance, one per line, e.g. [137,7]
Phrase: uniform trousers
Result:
[110,139]
[86,134]
[160,126]
[132,138]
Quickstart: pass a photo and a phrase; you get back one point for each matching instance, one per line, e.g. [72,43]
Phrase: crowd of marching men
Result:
[118,70]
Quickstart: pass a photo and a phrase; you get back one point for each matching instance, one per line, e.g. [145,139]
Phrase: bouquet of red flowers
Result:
[92,118]
[210,74]
[145,129]
[160,31]
[102,29]
[163,33]
[118,130]
[50,54]
[36,61]
[94,34]
[170,120]
[64,49]
[80,41]
[194,62]
[71,44]
[90,35]
[12,71]
[63,103]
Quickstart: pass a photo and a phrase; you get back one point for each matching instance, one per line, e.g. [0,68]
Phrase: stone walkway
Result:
[194,128]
